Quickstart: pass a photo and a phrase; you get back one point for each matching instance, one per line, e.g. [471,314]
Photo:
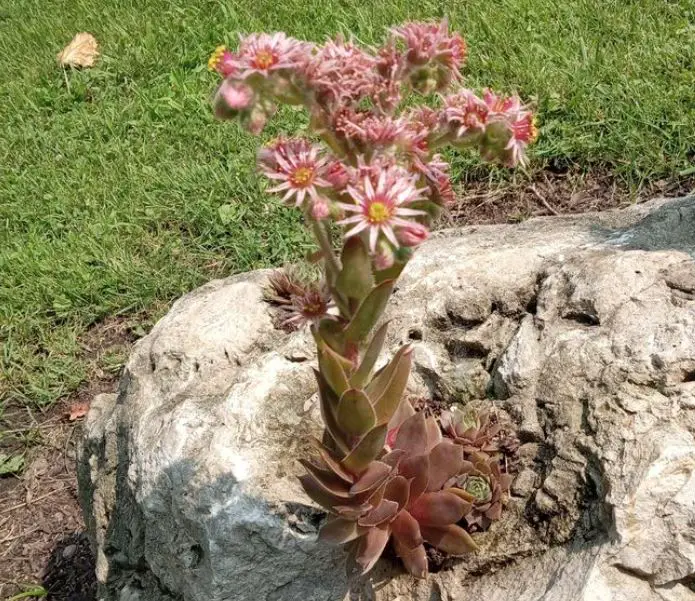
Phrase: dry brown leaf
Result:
[82,51]
[78,410]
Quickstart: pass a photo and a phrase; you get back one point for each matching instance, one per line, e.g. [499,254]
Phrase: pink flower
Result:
[320,209]
[467,112]
[340,72]
[222,61]
[524,132]
[413,234]
[432,42]
[310,306]
[263,53]
[500,105]
[377,131]
[380,208]
[337,175]
[238,96]
[298,167]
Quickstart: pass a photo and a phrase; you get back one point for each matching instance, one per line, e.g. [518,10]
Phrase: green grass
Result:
[114,181]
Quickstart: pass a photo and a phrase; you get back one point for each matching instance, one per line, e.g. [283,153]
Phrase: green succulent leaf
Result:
[392,273]
[366,451]
[333,368]
[355,280]
[361,376]
[355,414]
[376,388]
[333,462]
[327,480]
[369,312]
[386,404]
[330,330]
[328,402]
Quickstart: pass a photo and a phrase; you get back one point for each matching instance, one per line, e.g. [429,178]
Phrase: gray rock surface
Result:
[581,328]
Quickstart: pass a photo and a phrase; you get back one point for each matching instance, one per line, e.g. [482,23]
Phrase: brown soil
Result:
[549,193]
[41,526]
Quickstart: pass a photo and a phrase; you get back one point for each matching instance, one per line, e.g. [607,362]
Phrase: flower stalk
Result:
[383,471]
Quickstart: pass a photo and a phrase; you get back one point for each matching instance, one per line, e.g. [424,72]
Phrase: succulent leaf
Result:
[438,509]
[334,368]
[445,463]
[333,462]
[393,458]
[328,402]
[379,384]
[338,531]
[414,559]
[369,312]
[406,530]
[434,434]
[355,415]
[355,280]
[366,450]
[361,376]
[384,512]
[317,493]
[412,435]
[373,476]
[451,539]
[386,404]
[327,480]
[370,548]
[331,332]
[416,469]
[398,490]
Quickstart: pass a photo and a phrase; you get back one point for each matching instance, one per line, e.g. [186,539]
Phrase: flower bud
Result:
[384,257]
[320,209]
[337,175]
[232,98]
[413,234]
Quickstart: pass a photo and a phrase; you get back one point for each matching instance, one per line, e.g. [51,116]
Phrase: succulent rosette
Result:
[483,484]
[474,430]
[372,174]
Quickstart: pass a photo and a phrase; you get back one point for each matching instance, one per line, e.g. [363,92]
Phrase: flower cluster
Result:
[374,172]
[353,97]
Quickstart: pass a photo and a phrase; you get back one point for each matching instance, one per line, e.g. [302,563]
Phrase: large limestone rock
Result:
[581,328]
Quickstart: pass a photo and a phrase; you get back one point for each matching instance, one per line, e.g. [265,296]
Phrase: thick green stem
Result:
[331,263]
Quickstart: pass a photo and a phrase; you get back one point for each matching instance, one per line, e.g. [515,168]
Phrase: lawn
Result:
[118,192]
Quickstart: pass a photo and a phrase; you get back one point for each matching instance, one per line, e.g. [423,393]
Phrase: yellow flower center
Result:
[302,177]
[378,212]
[265,59]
